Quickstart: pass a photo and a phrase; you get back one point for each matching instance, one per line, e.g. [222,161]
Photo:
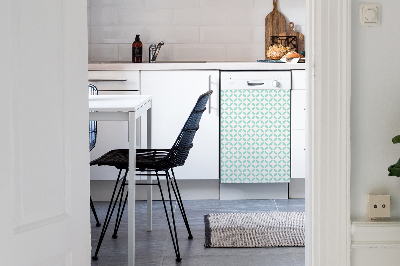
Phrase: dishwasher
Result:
[255,126]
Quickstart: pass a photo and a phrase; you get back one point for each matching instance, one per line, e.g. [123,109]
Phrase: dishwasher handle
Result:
[249,83]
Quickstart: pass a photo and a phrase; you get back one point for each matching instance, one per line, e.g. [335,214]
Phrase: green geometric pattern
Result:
[255,136]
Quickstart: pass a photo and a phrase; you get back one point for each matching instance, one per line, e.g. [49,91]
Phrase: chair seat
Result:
[146,159]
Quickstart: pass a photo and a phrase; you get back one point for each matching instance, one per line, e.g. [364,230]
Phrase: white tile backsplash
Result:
[116,34]
[239,4]
[214,3]
[199,16]
[125,52]
[245,52]
[172,3]
[173,34]
[224,34]
[258,35]
[246,17]
[145,16]
[104,16]
[119,3]
[226,3]
[294,11]
[199,52]
[192,30]
[103,52]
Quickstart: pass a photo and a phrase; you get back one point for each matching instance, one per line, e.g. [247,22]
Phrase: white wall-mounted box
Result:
[369,14]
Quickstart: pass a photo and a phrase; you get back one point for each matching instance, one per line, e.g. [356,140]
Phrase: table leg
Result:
[149,178]
[132,189]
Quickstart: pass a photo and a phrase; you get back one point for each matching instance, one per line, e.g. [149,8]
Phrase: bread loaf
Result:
[293,55]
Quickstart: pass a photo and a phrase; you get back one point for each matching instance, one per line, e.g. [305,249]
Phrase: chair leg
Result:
[94,213]
[174,239]
[120,211]
[109,212]
[174,185]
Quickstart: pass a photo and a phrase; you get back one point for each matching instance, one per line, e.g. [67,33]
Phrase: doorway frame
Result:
[328,224]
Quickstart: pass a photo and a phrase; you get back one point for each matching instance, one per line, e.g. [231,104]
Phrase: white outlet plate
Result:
[378,206]
[369,14]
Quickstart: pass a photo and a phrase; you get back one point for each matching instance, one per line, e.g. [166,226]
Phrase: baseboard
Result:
[297,188]
[375,242]
[254,191]
[101,190]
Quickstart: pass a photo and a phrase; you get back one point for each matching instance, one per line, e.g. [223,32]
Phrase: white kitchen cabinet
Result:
[115,80]
[174,96]
[112,134]
[298,109]
[298,125]
[298,79]
[298,154]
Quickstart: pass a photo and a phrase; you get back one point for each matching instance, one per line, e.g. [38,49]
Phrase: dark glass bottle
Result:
[137,50]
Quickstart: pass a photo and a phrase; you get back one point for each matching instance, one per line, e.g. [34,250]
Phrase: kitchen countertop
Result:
[195,66]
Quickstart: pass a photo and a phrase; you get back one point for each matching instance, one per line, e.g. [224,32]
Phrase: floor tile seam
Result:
[276,205]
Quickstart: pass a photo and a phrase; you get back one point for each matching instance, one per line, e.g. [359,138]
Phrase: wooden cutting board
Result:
[292,32]
[275,23]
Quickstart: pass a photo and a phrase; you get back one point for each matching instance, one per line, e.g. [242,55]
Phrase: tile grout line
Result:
[276,205]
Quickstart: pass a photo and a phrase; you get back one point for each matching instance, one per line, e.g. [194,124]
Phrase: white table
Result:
[127,108]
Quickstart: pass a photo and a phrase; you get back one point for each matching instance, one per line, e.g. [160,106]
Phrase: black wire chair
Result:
[154,160]
[92,143]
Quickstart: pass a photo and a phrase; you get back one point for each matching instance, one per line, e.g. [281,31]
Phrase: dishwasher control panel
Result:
[256,80]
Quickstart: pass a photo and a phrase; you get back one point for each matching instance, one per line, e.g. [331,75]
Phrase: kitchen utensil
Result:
[275,23]
[292,32]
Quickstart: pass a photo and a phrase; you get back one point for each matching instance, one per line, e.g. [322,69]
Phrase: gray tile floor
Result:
[155,248]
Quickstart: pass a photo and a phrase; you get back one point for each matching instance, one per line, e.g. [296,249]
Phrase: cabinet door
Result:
[174,96]
[298,124]
[298,109]
[298,154]
[298,79]
[115,80]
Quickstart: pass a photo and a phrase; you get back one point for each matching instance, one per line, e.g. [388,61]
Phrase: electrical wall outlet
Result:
[378,206]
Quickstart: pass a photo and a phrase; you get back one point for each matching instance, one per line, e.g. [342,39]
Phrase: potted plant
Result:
[394,170]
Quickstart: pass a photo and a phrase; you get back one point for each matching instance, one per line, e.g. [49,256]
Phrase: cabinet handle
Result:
[209,99]
[99,80]
[254,83]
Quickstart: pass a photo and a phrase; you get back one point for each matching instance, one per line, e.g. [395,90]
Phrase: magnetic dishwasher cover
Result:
[255,126]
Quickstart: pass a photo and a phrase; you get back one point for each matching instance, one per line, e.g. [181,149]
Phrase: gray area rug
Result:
[238,230]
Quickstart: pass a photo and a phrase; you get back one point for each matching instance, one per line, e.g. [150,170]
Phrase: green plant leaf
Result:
[396,139]
[394,170]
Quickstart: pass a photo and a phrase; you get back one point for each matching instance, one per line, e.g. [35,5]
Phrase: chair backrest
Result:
[92,124]
[180,150]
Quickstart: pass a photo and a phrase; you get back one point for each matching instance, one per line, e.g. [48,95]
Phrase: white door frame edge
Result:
[328,142]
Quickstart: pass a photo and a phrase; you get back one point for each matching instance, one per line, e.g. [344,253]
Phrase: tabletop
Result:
[121,103]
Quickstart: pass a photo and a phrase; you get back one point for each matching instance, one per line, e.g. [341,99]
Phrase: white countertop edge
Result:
[195,66]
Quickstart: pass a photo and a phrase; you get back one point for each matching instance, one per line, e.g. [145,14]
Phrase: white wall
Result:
[375,120]
[375,108]
[193,30]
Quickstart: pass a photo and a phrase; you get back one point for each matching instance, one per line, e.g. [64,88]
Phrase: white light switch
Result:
[369,14]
